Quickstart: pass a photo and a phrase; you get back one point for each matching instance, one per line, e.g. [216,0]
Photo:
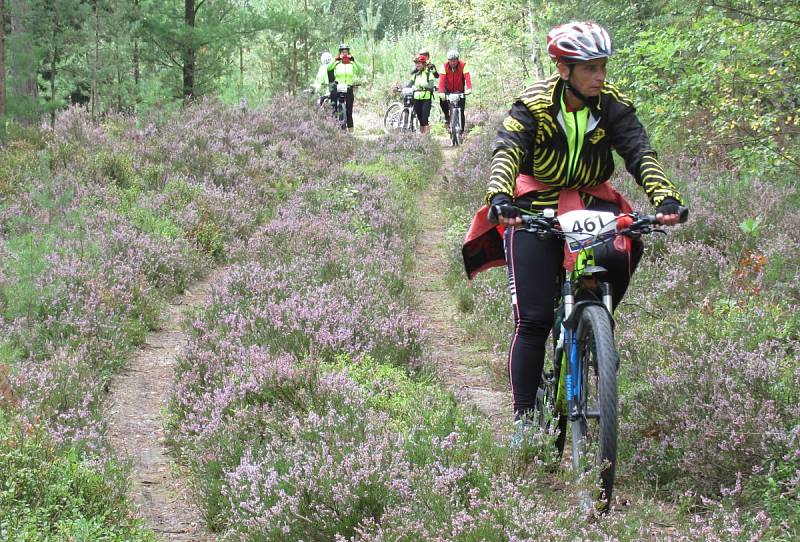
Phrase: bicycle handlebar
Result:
[642,224]
[683,216]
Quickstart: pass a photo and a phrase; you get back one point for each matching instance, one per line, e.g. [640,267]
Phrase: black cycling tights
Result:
[534,269]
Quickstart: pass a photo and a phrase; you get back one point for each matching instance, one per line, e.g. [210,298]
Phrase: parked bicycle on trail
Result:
[553,151]
[454,82]
[342,73]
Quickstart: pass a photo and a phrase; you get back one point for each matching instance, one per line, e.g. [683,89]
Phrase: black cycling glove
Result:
[502,205]
[671,206]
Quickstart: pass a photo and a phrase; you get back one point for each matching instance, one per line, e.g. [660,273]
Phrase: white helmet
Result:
[452,54]
[326,58]
[578,42]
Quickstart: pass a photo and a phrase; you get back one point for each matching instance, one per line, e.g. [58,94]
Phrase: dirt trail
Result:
[137,401]
[461,365]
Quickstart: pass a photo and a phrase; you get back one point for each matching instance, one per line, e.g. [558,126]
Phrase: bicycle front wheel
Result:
[341,115]
[391,119]
[406,120]
[594,433]
[455,127]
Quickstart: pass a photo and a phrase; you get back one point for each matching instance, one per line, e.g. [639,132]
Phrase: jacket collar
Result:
[556,87]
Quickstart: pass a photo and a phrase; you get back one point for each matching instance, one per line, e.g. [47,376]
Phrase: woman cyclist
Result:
[423,82]
[554,150]
[343,70]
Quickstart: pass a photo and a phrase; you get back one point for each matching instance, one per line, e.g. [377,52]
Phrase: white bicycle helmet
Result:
[578,42]
[326,58]
[452,54]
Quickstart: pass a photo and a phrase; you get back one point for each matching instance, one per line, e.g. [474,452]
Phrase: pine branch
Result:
[752,15]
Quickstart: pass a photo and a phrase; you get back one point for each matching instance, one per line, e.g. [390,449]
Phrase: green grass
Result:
[50,494]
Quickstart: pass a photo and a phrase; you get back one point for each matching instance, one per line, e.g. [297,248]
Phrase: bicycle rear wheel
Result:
[594,433]
[341,115]
[547,416]
[391,119]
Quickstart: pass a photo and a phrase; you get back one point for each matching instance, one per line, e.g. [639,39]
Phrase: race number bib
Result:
[341,87]
[581,228]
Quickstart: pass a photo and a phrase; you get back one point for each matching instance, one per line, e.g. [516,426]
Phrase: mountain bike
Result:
[321,101]
[340,104]
[401,116]
[581,389]
[455,128]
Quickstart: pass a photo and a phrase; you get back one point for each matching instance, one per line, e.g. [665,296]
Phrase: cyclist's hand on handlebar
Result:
[502,211]
[670,212]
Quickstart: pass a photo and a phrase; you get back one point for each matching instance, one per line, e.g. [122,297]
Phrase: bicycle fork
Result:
[572,383]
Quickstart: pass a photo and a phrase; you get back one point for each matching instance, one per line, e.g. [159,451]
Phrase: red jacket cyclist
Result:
[454,79]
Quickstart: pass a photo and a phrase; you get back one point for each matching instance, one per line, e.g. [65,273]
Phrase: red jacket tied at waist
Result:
[483,246]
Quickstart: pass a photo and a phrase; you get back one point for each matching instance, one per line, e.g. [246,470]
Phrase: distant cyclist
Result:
[321,84]
[343,70]
[423,82]
[454,79]
[553,150]
[426,57]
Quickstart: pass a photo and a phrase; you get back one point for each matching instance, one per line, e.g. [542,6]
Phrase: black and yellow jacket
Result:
[532,141]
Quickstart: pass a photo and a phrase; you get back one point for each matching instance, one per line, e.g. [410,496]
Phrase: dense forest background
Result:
[719,75]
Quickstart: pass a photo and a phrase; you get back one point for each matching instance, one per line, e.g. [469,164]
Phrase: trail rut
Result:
[137,403]
[458,359]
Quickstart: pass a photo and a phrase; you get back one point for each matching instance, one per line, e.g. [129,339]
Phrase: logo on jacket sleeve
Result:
[512,125]
[597,136]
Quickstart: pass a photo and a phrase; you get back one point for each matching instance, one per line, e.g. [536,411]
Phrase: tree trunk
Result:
[293,64]
[306,49]
[24,71]
[95,66]
[535,56]
[2,58]
[53,63]
[189,54]
[136,72]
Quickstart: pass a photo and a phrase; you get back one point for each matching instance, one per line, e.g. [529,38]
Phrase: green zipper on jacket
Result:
[575,124]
